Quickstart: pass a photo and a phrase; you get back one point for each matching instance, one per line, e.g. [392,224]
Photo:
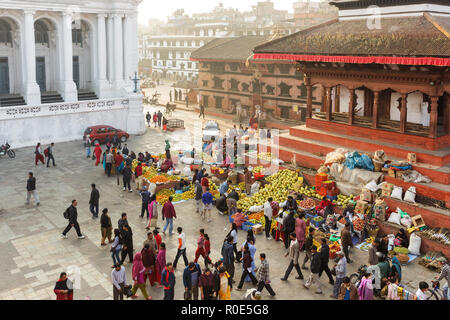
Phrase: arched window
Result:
[41,33]
[5,33]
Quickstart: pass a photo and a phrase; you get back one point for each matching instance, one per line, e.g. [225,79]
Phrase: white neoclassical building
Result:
[66,65]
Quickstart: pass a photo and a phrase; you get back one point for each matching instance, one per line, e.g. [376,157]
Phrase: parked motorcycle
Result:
[6,150]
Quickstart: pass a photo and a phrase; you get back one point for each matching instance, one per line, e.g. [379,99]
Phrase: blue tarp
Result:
[355,160]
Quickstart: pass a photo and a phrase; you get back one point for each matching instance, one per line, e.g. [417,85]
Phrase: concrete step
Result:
[436,173]
[438,158]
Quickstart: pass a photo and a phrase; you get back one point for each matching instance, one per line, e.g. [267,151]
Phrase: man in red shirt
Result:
[138,176]
[205,182]
[118,161]
[168,213]
[200,246]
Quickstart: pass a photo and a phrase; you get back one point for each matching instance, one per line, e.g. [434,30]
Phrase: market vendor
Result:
[167,165]
[348,215]
[221,204]
[233,198]
[401,238]
[184,185]
[320,209]
[240,218]
[224,187]
[291,205]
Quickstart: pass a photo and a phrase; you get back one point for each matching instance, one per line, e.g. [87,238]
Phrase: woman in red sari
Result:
[160,263]
[63,288]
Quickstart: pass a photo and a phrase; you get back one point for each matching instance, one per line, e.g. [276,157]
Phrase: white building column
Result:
[102,85]
[110,47]
[118,81]
[32,92]
[68,87]
[128,52]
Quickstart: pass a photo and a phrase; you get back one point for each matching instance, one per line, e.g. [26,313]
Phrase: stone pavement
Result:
[33,254]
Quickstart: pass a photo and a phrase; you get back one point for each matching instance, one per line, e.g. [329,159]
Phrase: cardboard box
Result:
[366,195]
[386,190]
[392,173]
[418,221]
[361,206]
[257,229]
[411,158]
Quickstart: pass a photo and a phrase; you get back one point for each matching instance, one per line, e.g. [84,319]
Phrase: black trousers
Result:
[245,273]
[324,267]
[144,209]
[108,167]
[268,225]
[287,240]
[169,294]
[262,285]
[128,251]
[290,267]
[50,156]
[345,250]
[75,225]
[181,252]
[236,254]
[126,183]
[230,269]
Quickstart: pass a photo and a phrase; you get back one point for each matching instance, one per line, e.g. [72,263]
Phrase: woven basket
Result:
[403,258]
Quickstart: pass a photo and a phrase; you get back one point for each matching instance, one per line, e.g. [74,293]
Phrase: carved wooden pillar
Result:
[337,103]
[376,107]
[446,113]
[324,99]
[329,105]
[351,106]
[434,117]
[403,113]
[309,101]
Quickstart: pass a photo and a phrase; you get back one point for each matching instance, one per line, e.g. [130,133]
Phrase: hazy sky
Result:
[160,9]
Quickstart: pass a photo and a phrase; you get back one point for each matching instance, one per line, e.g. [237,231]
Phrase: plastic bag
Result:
[414,244]
[394,218]
[410,194]
[397,193]
[372,186]
[187,171]
[256,208]
[406,221]
[187,160]
[355,160]
[402,213]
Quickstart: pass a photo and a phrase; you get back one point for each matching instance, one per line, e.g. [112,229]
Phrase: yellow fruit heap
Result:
[259,169]
[309,192]
[280,184]
[267,156]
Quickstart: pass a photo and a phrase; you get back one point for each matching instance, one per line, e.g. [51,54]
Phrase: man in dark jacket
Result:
[145,196]
[288,227]
[324,258]
[93,201]
[106,227]
[50,155]
[168,281]
[346,241]
[127,174]
[127,249]
[198,195]
[228,256]
[159,118]
[308,246]
[149,261]
[122,222]
[73,216]
[31,189]
[125,150]
[191,276]
[315,269]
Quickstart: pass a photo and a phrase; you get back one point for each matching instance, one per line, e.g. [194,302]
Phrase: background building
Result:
[65,67]
[170,45]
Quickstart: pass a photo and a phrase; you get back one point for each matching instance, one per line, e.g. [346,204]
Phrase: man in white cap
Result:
[341,273]
[252,294]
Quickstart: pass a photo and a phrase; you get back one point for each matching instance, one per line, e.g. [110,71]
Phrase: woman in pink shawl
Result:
[300,229]
[365,290]
[138,276]
[160,263]
[153,213]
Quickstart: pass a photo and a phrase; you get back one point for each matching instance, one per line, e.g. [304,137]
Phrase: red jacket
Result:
[205,182]
[207,246]
[168,210]
[98,151]
[118,159]
[138,171]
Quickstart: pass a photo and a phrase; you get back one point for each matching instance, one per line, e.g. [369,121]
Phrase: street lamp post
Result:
[135,80]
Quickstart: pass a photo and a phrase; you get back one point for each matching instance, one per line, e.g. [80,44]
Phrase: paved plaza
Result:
[33,254]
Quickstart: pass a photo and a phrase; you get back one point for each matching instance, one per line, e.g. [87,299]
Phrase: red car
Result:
[98,134]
